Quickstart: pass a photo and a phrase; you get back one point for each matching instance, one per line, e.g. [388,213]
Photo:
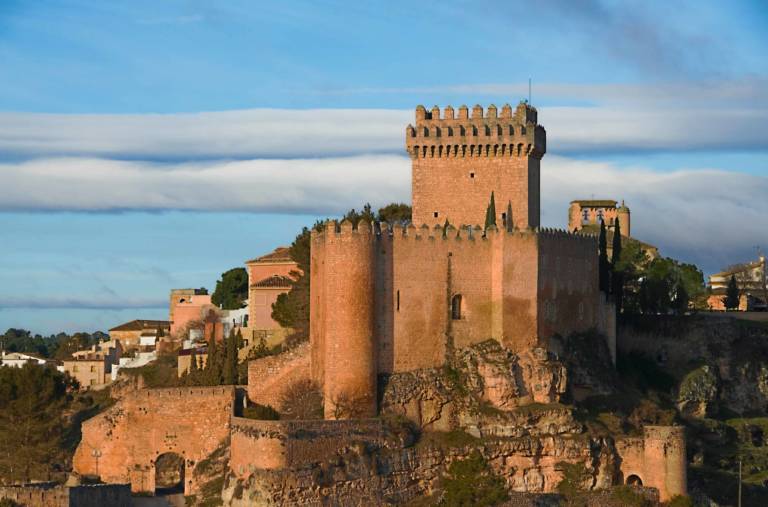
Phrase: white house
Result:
[19,359]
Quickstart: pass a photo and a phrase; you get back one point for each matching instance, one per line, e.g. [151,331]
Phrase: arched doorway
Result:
[169,474]
[634,480]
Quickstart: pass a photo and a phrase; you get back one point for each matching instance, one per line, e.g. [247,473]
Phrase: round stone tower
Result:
[349,387]
[622,213]
[665,463]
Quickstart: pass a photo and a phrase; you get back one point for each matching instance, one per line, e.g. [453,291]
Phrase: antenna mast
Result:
[529,92]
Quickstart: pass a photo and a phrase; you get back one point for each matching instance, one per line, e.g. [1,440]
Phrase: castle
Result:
[387,300]
[403,302]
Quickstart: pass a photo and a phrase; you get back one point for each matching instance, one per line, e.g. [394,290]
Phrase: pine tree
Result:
[192,362]
[617,275]
[732,296]
[510,223]
[490,214]
[603,266]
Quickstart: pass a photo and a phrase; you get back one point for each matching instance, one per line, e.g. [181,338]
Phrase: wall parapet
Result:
[382,231]
[280,445]
[481,135]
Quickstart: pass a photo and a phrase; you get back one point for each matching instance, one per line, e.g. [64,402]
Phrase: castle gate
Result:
[153,438]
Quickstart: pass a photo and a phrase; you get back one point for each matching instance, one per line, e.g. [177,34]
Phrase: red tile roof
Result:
[278,281]
[279,254]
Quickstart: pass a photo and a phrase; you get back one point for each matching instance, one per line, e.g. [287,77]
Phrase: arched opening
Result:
[634,480]
[169,474]
[456,307]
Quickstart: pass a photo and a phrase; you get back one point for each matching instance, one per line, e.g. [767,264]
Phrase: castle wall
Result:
[657,459]
[121,444]
[48,495]
[459,161]
[520,272]
[280,445]
[568,294]
[349,386]
[270,377]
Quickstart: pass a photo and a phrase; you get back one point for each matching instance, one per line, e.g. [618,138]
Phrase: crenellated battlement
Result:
[483,134]
[334,231]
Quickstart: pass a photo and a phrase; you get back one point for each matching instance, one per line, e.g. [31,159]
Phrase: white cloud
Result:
[707,216]
[681,116]
[329,185]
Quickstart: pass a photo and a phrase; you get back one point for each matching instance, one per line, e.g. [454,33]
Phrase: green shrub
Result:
[261,412]
[471,482]
[626,496]
[680,501]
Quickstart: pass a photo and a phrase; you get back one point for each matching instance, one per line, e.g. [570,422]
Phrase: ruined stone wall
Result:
[282,445]
[48,495]
[459,161]
[568,295]
[269,377]
[657,459]
[121,444]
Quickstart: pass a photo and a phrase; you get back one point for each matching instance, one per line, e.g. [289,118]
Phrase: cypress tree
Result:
[229,371]
[490,214]
[732,296]
[510,223]
[603,267]
[617,275]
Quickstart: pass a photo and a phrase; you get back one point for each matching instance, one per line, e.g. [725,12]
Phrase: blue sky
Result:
[149,145]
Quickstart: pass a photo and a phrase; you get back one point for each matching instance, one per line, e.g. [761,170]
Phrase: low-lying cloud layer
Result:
[693,116]
[704,215]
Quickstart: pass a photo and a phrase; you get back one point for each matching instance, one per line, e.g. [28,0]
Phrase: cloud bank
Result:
[682,116]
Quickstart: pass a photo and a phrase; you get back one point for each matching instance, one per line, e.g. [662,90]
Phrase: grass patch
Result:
[447,439]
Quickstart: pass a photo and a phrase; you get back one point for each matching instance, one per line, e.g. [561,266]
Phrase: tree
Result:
[510,223]
[229,371]
[681,300]
[231,290]
[490,212]
[302,400]
[32,403]
[617,280]
[603,266]
[471,482]
[354,217]
[732,295]
[291,309]
[395,213]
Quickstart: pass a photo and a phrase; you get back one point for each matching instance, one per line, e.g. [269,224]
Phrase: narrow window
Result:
[456,307]
[398,301]
[471,175]
[504,218]
[436,214]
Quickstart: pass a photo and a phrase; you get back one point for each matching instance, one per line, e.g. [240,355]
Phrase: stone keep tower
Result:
[459,160]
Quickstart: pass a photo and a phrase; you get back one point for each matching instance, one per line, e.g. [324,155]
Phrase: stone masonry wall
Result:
[47,495]
[280,445]
[121,444]
[459,161]
[269,377]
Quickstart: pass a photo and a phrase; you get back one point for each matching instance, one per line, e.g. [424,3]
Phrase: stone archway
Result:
[169,474]
[634,480]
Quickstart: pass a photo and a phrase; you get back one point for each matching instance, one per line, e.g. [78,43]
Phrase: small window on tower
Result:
[436,214]
[471,175]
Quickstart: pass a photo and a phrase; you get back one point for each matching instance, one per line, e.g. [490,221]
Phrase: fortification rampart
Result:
[122,444]
[459,161]
[270,377]
[280,445]
[483,135]
[52,495]
[436,289]
[657,460]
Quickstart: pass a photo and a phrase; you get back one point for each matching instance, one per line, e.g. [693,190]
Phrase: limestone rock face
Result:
[484,378]
[697,394]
